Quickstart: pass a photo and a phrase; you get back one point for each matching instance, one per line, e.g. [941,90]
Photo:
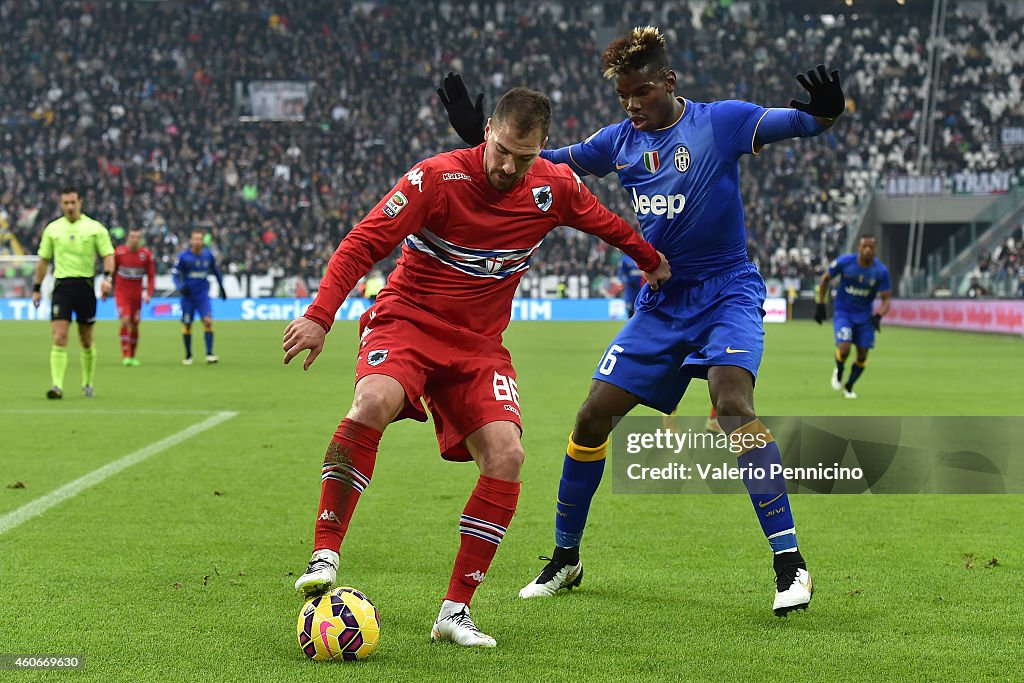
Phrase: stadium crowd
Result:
[1000,272]
[142,106]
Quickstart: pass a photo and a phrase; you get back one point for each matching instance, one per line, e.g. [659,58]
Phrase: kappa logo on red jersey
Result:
[415,177]
[455,176]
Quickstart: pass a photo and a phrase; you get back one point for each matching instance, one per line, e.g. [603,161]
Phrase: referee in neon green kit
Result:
[73,242]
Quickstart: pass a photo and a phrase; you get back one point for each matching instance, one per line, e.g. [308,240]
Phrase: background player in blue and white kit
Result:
[191,277]
[862,277]
[632,280]
[678,160]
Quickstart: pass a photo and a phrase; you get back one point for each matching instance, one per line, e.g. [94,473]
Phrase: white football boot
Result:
[849,393]
[210,358]
[321,573]
[455,625]
[793,589]
[836,384]
[554,577]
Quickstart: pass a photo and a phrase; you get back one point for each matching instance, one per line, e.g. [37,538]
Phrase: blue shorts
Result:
[193,307]
[861,334]
[680,331]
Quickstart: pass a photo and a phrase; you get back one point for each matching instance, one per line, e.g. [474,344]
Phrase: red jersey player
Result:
[131,262]
[470,221]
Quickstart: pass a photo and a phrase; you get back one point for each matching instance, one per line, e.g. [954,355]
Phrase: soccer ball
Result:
[339,625]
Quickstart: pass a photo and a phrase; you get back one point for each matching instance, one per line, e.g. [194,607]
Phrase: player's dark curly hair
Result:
[643,49]
[525,109]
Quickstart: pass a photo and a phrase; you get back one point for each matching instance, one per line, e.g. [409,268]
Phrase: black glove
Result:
[185,291]
[820,313]
[223,294]
[827,98]
[466,117]
[876,322]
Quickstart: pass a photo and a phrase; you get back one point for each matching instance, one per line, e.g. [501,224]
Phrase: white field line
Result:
[100,411]
[72,489]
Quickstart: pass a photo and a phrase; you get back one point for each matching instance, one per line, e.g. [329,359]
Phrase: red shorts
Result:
[128,306]
[467,379]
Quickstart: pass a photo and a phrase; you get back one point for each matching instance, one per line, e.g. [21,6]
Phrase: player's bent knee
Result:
[734,406]
[378,400]
[503,462]
[592,425]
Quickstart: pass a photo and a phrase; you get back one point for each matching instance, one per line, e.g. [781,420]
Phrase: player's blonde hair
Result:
[643,49]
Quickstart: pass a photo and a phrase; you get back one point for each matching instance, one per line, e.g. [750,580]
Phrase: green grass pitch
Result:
[181,567]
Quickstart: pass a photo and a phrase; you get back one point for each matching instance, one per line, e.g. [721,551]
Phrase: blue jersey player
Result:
[191,277]
[632,281]
[678,160]
[862,277]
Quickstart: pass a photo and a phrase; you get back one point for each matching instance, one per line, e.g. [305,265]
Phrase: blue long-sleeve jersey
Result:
[683,179]
[193,270]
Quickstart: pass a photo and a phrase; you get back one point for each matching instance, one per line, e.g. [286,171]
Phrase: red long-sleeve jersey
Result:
[466,244]
[129,267]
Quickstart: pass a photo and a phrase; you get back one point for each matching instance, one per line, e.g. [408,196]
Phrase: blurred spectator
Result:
[136,103]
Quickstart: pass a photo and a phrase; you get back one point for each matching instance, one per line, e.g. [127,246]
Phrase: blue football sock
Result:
[208,336]
[581,475]
[186,336]
[768,495]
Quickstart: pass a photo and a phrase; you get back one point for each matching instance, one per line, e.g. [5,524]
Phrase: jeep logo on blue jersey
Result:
[857,291]
[542,196]
[669,206]
[682,159]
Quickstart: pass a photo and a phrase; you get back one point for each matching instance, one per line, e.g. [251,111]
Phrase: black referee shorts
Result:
[74,296]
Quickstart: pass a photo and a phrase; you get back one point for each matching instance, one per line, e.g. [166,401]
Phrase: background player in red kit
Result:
[470,221]
[131,262]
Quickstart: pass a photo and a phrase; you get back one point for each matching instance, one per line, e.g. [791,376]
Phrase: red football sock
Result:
[483,524]
[348,467]
[133,341]
[125,343]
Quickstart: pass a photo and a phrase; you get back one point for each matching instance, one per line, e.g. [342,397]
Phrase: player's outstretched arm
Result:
[826,95]
[820,312]
[37,282]
[108,275]
[303,334]
[178,276]
[466,116]
[883,310]
[150,277]
[663,273]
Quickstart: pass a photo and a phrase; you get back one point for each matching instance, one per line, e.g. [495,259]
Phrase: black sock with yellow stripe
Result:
[855,372]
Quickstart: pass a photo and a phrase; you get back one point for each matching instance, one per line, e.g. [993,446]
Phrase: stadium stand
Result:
[142,104]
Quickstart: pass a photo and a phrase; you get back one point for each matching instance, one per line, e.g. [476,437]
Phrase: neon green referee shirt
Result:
[73,247]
